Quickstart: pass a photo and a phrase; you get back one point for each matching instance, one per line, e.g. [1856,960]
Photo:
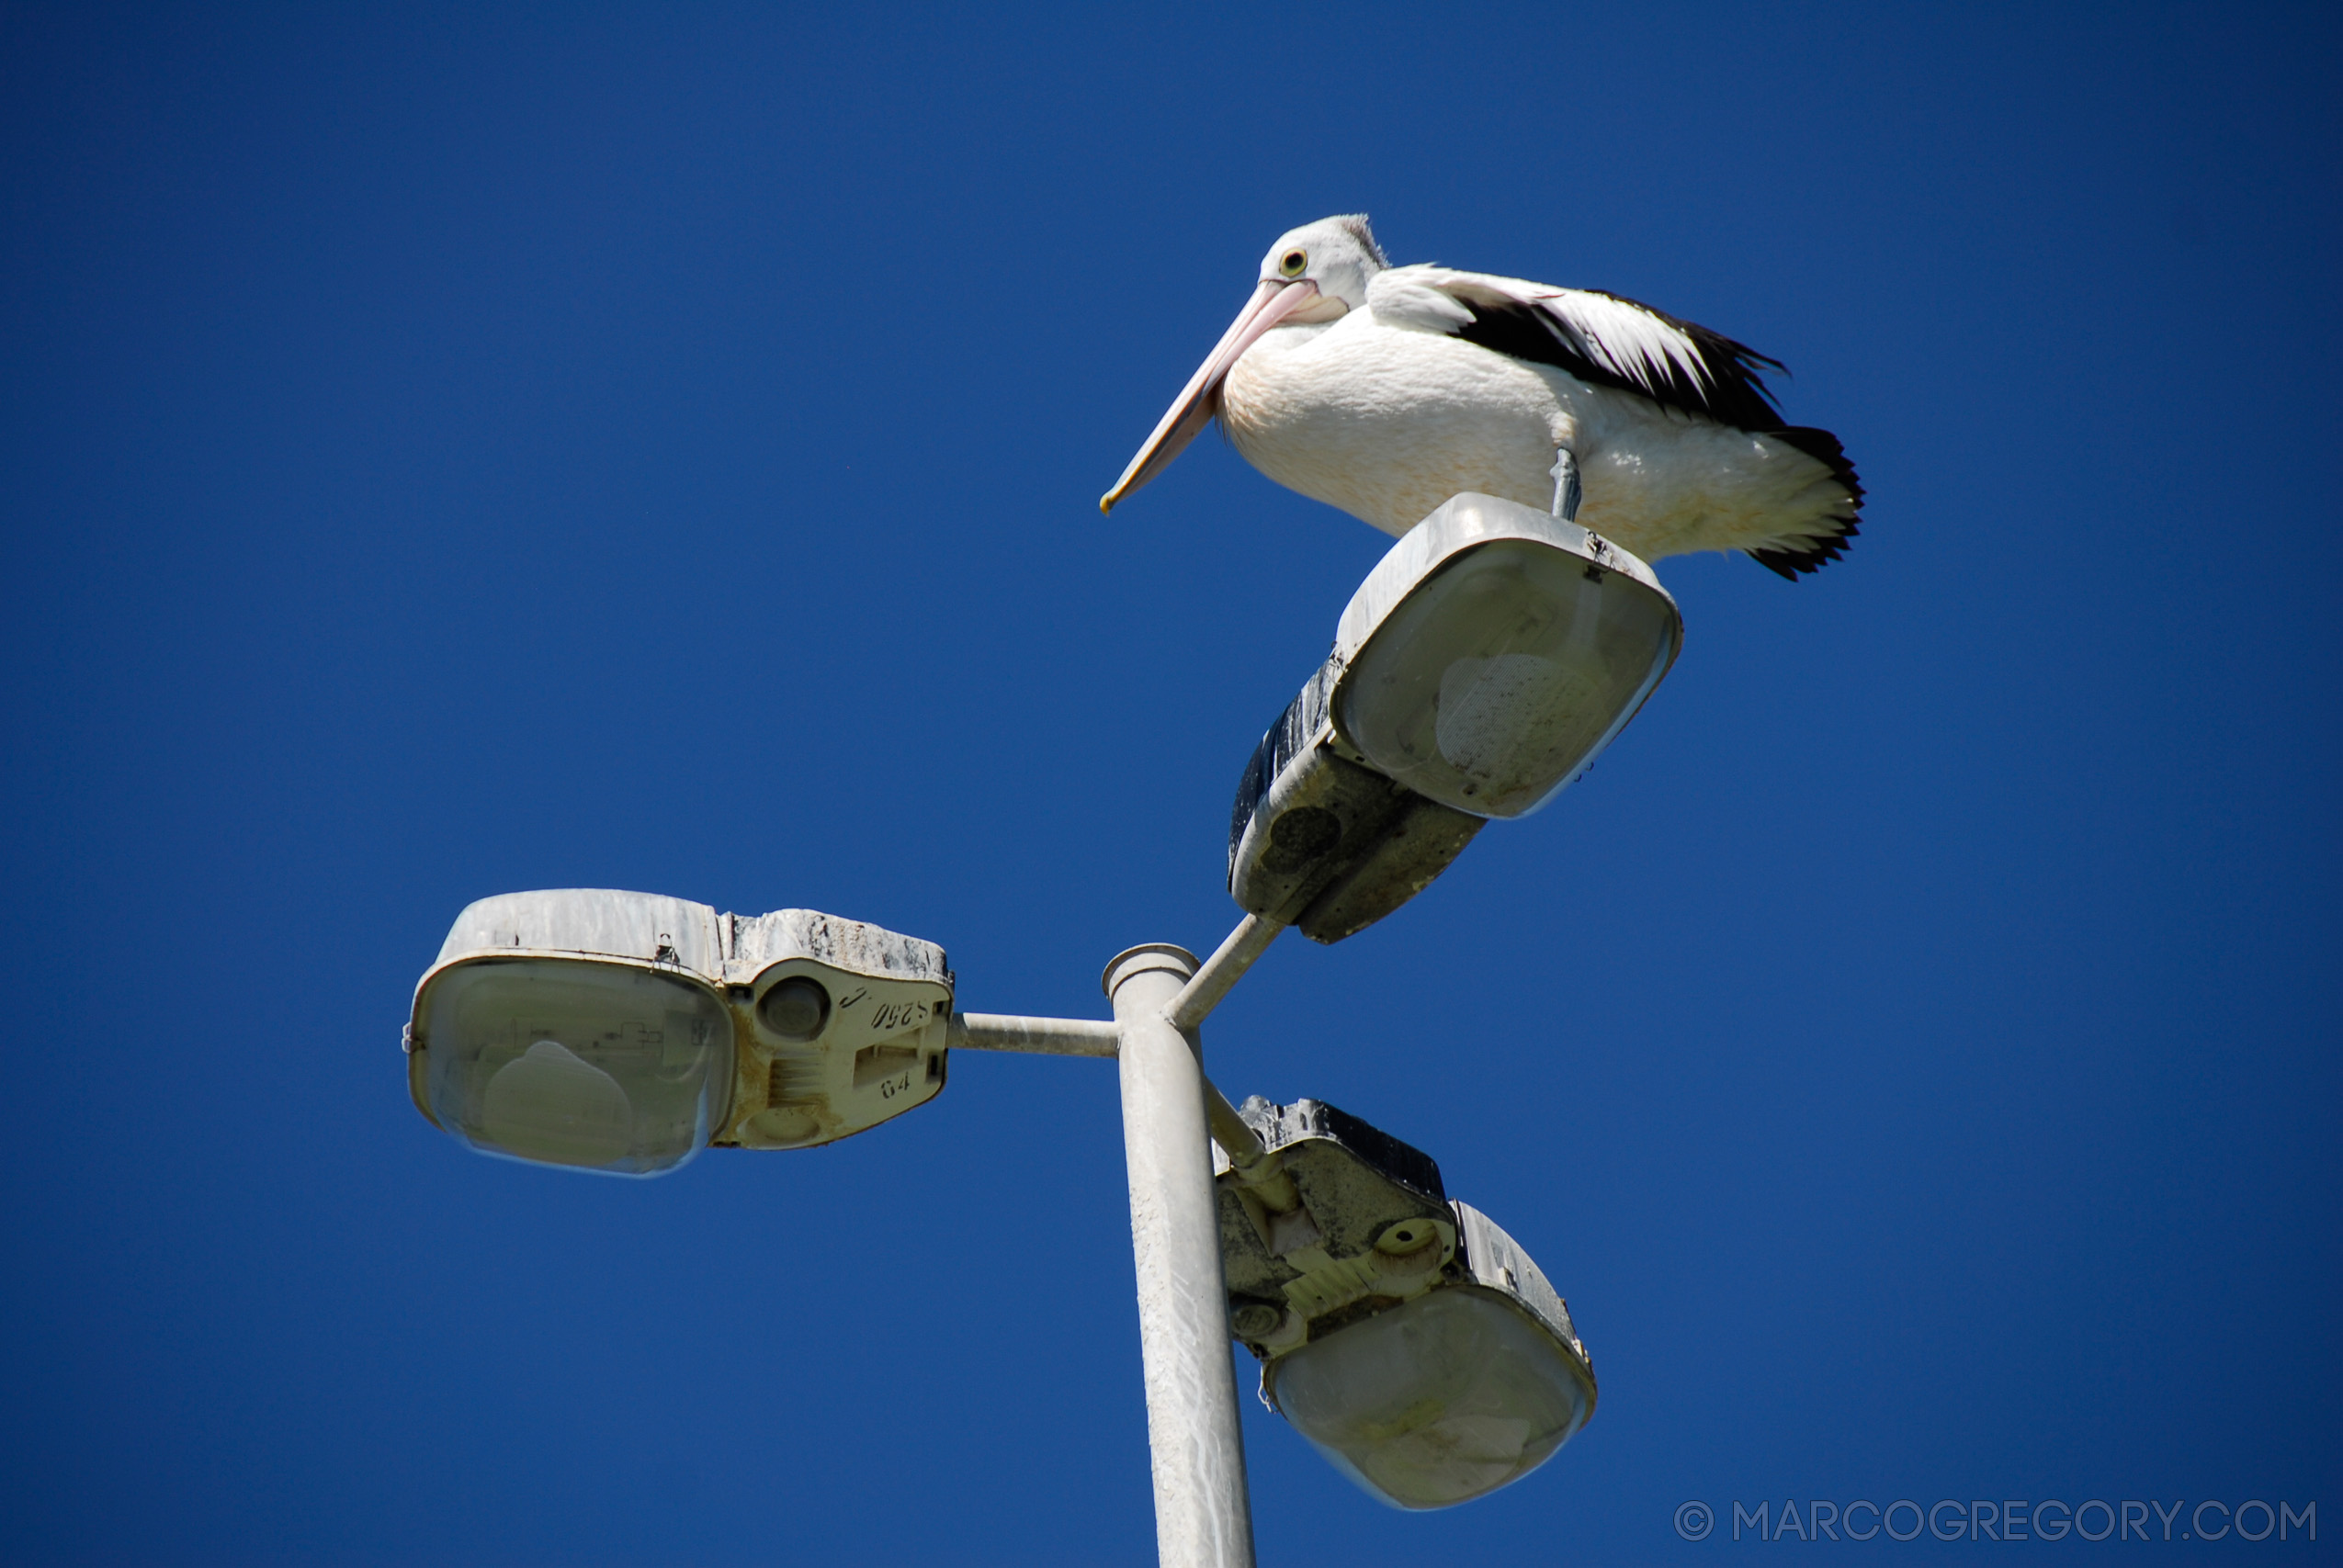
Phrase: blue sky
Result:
[463,450]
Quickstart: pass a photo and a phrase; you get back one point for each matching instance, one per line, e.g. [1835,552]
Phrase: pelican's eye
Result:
[1293,263]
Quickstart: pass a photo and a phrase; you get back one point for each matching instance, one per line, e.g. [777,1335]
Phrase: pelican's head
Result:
[1313,273]
[1336,256]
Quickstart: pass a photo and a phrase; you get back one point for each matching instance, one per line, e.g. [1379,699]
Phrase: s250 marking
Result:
[899,1015]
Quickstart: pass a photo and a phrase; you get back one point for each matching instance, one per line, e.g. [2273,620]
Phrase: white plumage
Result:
[1385,391]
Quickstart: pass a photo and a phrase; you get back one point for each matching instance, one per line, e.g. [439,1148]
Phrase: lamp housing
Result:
[623,1032]
[1405,1336]
[1488,658]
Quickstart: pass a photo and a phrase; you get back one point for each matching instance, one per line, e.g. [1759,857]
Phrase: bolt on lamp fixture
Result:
[1485,661]
[624,1033]
[1405,1336]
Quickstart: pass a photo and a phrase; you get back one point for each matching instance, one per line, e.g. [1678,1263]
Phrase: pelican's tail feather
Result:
[1832,532]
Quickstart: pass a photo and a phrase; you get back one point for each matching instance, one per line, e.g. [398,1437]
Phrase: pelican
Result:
[1384,391]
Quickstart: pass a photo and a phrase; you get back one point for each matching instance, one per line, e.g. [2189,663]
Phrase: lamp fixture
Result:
[1488,658]
[1405,1336]
[624,1033]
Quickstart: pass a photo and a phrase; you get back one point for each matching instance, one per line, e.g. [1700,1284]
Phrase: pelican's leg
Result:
[1567,492]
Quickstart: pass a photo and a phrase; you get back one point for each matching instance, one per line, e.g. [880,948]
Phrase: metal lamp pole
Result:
[1170,1116]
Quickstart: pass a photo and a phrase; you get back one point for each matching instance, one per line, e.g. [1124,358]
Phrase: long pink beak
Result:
[1200,398]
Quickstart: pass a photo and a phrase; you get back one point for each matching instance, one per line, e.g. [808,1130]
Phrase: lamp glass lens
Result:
[602,1066]
[1503,673]
[1435,1402]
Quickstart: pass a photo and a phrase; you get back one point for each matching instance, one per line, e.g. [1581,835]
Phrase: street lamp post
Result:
[1484,662]
[1195,1445]
[1171,1118]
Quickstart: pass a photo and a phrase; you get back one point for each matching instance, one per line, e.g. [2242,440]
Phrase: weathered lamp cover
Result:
[1486,661]
[1405,1336]
[624,1033]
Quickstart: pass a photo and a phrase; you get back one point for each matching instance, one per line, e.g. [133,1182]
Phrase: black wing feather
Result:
[1733,393]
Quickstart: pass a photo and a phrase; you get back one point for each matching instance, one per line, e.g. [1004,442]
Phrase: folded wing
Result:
[1606,341]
